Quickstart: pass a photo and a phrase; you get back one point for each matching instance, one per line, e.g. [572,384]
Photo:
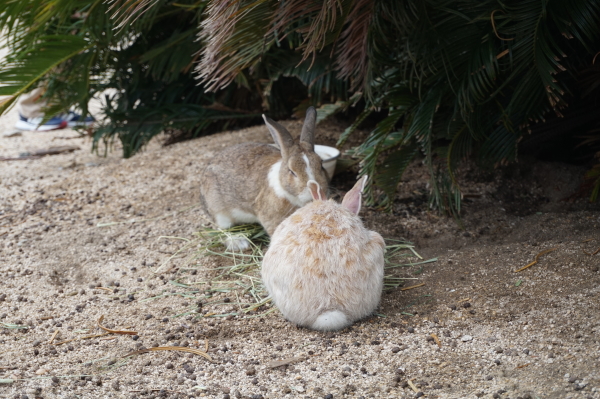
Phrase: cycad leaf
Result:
[392,169]
[352,128]
[24,72]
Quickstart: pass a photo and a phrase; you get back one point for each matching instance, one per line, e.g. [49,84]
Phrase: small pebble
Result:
[466,305]
[410,330]
[499,350]
[466,338]
[395,349]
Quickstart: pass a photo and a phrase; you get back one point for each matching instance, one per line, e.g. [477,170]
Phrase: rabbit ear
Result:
[352,199]
[308,129]
[280,135]
[316,191]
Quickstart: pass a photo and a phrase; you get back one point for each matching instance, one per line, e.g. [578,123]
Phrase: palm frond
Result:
[235,36]
[391,170]
[22,72]
[352,58]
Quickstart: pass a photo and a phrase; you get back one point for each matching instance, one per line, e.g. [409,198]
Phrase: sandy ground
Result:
[83,236]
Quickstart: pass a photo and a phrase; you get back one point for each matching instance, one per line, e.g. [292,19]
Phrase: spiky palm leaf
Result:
[457,78]
[77,48]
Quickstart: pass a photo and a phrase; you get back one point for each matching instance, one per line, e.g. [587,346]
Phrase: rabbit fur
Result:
[323,268]
[260,183]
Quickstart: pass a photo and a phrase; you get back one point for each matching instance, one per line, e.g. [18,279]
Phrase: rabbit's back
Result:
[231,170]
[323,259]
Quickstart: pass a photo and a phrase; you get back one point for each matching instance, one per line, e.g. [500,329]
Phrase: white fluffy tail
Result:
[331,320]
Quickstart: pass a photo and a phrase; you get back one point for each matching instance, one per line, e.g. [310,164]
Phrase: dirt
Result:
[83,236]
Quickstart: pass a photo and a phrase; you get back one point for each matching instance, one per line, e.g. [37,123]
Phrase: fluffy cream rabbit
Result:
[323,268]
[259,183]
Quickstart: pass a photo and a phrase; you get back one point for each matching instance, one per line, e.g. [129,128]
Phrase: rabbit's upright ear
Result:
[280,135]
[316,191]
[353,198]
[308,129]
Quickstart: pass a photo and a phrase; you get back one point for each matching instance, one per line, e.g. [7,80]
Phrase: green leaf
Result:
[352,128]
[24,71]
[391,169]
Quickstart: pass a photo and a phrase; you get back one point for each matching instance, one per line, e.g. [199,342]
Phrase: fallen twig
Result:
[53,336]
[436,339]
[25,158]
[412,286]
[155,390]
[171,348]
[115,331]
[42,153]
[414,388]
[85,337]
[278,363]
[537,257]
[591,254]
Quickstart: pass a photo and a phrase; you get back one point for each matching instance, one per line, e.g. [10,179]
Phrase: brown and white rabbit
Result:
[323,268]
[259,183]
